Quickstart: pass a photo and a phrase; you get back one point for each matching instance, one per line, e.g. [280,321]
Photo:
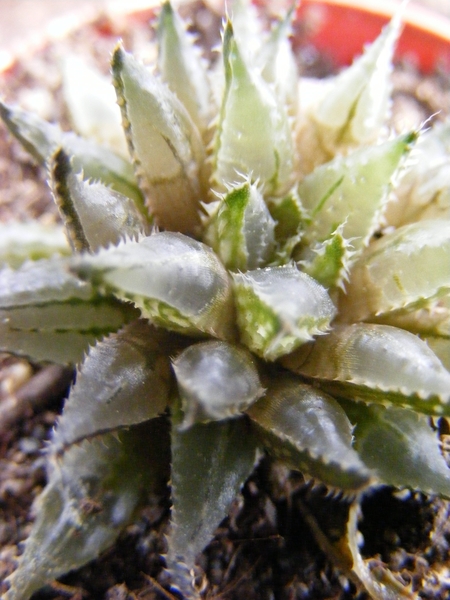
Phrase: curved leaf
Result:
[91,496]
[123,381]
[216,381]
[384,279]
[177,282]
[309,431]
[210,462]
[377,363]
[400,446]
[93,214]
[31,240]
[279,309]
[165,144]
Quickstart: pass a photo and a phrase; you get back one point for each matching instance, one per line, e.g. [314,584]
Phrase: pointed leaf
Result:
[385,278]
[241,231]
[91,101]
[352,191]
[278,62]
[165,144]
[328,262]
[41,139]
[210,462]
[377,363]
[91,496]
[47,313]
[423,190]
[308,430]
[177,282]
[279,309]
[182,67]
[253,137]
[216,381]
[123,381]
[357,106]
[400,446]
[94,215]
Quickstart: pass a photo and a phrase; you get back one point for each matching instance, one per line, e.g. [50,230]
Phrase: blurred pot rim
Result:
[337,27]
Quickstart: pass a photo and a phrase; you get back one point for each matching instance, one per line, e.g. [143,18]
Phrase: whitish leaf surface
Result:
[400,446]
[423,191]
[328,262]
[61,347]
[30,241]
[279,309]
[177,282]
[377,363]
[94,215]
[123,381]
[357,105]
[210,463]
[47,313]
[247,27]
[41,139]
[216,381]
[441,347]
[241,231]
[91,496]
[352,191]
[182,67]
[309,430]
[91,101]
[278,63]
[291,219]
[385,278]
[253,136]
[165,144]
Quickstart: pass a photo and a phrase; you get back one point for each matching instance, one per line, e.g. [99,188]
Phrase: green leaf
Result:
[47,313]
[165,144]
[91,101]
[241,231]
[278,62]
[123,381]
[423,190]
[93,214]
[279,309]
[177,282]
[30,241]
[91,496]
[309,431]
[182,67]
[352,191]
[253,137]
[385,277]
[377,363]
[328,262]
[216,381]
[357,106]
[210,463]
[400,447]
[41,139]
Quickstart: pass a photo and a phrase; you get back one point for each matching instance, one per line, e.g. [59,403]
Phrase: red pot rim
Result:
[340,28]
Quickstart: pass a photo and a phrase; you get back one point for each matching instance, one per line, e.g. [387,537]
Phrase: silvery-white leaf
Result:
[279,309]
[216,381]
[175,281]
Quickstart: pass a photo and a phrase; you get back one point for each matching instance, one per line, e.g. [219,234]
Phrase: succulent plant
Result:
[263,274]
